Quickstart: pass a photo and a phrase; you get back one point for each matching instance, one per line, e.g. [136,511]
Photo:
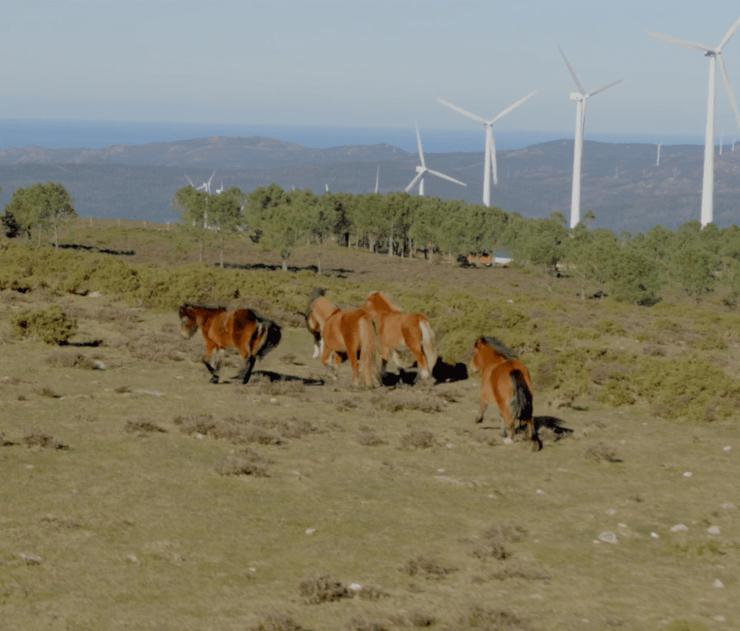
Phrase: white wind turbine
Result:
[580,98]
[377,180]
[422,170]
[707,189]
[489,166]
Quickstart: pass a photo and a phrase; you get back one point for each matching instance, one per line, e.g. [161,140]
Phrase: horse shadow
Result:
[553,427]
[441,373]
[273,376]
[339,272]
[93,248]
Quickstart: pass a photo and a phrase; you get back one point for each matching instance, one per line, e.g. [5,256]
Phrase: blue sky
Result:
[374,63]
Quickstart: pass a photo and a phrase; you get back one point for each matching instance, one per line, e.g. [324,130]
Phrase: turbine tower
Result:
[422,170]
[707,189]
[377,180]
[580,97]
[489,166]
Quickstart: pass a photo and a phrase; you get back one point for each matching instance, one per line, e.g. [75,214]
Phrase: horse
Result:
[252,335]
[397,330]
[342,334]
[505,381]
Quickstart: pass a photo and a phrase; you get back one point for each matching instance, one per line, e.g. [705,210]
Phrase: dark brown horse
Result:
[252,335]
[504,381]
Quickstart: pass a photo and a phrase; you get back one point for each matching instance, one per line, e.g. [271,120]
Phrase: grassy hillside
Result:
[140,496]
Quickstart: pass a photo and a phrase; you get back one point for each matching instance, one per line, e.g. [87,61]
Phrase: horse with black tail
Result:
[343,334]
[505,381]
[252,335]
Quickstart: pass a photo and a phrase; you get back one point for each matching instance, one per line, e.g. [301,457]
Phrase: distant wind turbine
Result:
[580,97]
[377,180]
[489,166]
[707,189]
[422,170]
[657,157]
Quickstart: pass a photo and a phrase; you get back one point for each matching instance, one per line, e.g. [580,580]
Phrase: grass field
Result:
[136,495]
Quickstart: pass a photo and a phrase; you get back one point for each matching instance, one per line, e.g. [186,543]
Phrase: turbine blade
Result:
[189,181]
[418,146]
[513,106]
[603,87]
[728,89]
[680,42]
[729,34]
[446,177]
[580,87]
[414,182]
[460,110]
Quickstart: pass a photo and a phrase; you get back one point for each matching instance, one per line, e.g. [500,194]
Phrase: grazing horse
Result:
[397,330]
[504,381]
[343,334]
[252,335]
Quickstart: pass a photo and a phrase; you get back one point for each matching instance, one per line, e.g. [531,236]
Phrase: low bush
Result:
[50,325]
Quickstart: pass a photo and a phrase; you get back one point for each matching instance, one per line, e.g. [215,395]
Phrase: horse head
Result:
[188,321]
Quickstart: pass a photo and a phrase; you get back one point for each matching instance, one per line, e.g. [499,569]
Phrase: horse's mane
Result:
[385,299]
[499,347]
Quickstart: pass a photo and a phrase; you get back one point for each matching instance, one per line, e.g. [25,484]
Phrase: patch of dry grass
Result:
[278,622]
[488,619]
[72,359]
[142,428]
[418,439]
[368,437]
[245,430]
[323,589]
[427,567]
[43,441]
[245,462]
[602,452]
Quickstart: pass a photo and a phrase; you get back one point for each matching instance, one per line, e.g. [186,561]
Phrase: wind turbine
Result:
[489,166]
[377,180]
[657,157]
[580,97]
[707,189]
[422,170]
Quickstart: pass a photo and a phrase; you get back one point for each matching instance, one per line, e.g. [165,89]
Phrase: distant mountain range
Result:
[621,182]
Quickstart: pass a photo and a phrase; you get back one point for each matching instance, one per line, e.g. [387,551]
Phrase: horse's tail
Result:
[521,407]
[368,363]
[270,334]
[427,344]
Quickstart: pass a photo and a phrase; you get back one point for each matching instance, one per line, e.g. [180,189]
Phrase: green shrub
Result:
[50,325]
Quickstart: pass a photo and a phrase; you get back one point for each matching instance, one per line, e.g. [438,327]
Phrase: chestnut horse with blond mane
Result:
[398,330]
[252,335]
[504,381]
[342,334]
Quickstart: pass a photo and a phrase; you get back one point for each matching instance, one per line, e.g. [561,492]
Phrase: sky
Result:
[364,63]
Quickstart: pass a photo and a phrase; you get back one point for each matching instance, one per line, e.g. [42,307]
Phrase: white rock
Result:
[608,537]
[540,492]
[450,446]
[132,558]
[252,570]
[726,448]
[355,587]
[728,506]
[719,618]
[440,470]
[310,531]
[611,511]
[718,583]
[654,535]
[273,400]
[99,365]
[679,528]
[713,530]
[687,474]
[621,525]
[94,294]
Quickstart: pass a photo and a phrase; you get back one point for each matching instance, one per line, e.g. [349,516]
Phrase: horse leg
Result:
[249,364]
[352,355]
[481,413]
[509,424]
[207,354]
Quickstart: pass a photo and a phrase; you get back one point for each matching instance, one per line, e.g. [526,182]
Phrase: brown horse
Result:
[243,329]
[397,330]
[343,334]
[504,381]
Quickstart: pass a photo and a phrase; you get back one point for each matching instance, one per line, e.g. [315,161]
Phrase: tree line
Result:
[637,268]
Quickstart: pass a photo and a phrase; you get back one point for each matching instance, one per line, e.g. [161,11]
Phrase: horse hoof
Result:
[214,379]
[508,441]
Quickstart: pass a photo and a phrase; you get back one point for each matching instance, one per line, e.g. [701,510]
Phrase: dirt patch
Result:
[486,619]
[494,541]
[403,400]
[244,430]
[323,589]
[142,428]
[368,437]
[602,453]
[278,622]
[43,441]
[246,462]
[427,567]
[66,359]
[418,439]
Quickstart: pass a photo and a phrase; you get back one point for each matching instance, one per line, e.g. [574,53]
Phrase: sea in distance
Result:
[98,134]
